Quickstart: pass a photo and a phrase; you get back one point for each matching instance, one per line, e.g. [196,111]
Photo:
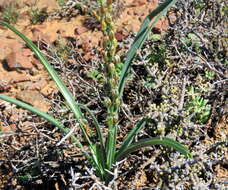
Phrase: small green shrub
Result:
[61,3]
[38,15]
[63,49]
[198,106]
[10,14]
[95,75]
[193,41]
[210,75]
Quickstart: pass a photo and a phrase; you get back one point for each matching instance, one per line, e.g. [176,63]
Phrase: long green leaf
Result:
[66,93]
[50,119]
[154,141]
[63,89]
[141,37]
[99,159]
[41,114]
[111,146]
[131,135]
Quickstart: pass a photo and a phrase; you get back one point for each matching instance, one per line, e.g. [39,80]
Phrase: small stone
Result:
[80,30]
[138,3]
[121,34]
[37,64]
[88,56]
[49,89]
[38,35]
[7,128]
[137,12]
[16,60]
[19,78]
[128,12]
[27,52]
[40,84]
[34,98]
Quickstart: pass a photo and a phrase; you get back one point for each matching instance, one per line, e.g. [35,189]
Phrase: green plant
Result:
[150,82]
[95,75]
[38,15]
[10,13]
[158,55]
[104,152]
[63,49]
[210,75]
[192,40]
[198,107]
[61,3]
[155,37]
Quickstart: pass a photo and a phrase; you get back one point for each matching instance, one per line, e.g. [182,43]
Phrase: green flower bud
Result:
[109,121]
[114,43]
[107,102]
[113,51]
[117,102]
[112,36]
[111,68]
[105,43]
[117,59]
[108,19]
[116,77]
[114,93]
[115,119]
[112,83]
[103,25]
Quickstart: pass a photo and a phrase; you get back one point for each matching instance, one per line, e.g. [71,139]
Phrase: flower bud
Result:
[116,77]
[109,121]
[117,59]
[113,51]
[115,119]
[114,93]
[106,58]
[115,43]
[103,25]
[107,102]
[117,102]
[108,19]
[111,68]
[113,83]
[111,36]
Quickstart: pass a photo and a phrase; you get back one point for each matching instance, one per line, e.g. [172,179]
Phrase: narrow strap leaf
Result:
[63,89]
[65,92]
[111,146]
[98,159]
[131,135]
[41,114]
[140,39]
[154,141]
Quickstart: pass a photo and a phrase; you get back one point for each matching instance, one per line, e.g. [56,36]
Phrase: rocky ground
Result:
[179,78]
